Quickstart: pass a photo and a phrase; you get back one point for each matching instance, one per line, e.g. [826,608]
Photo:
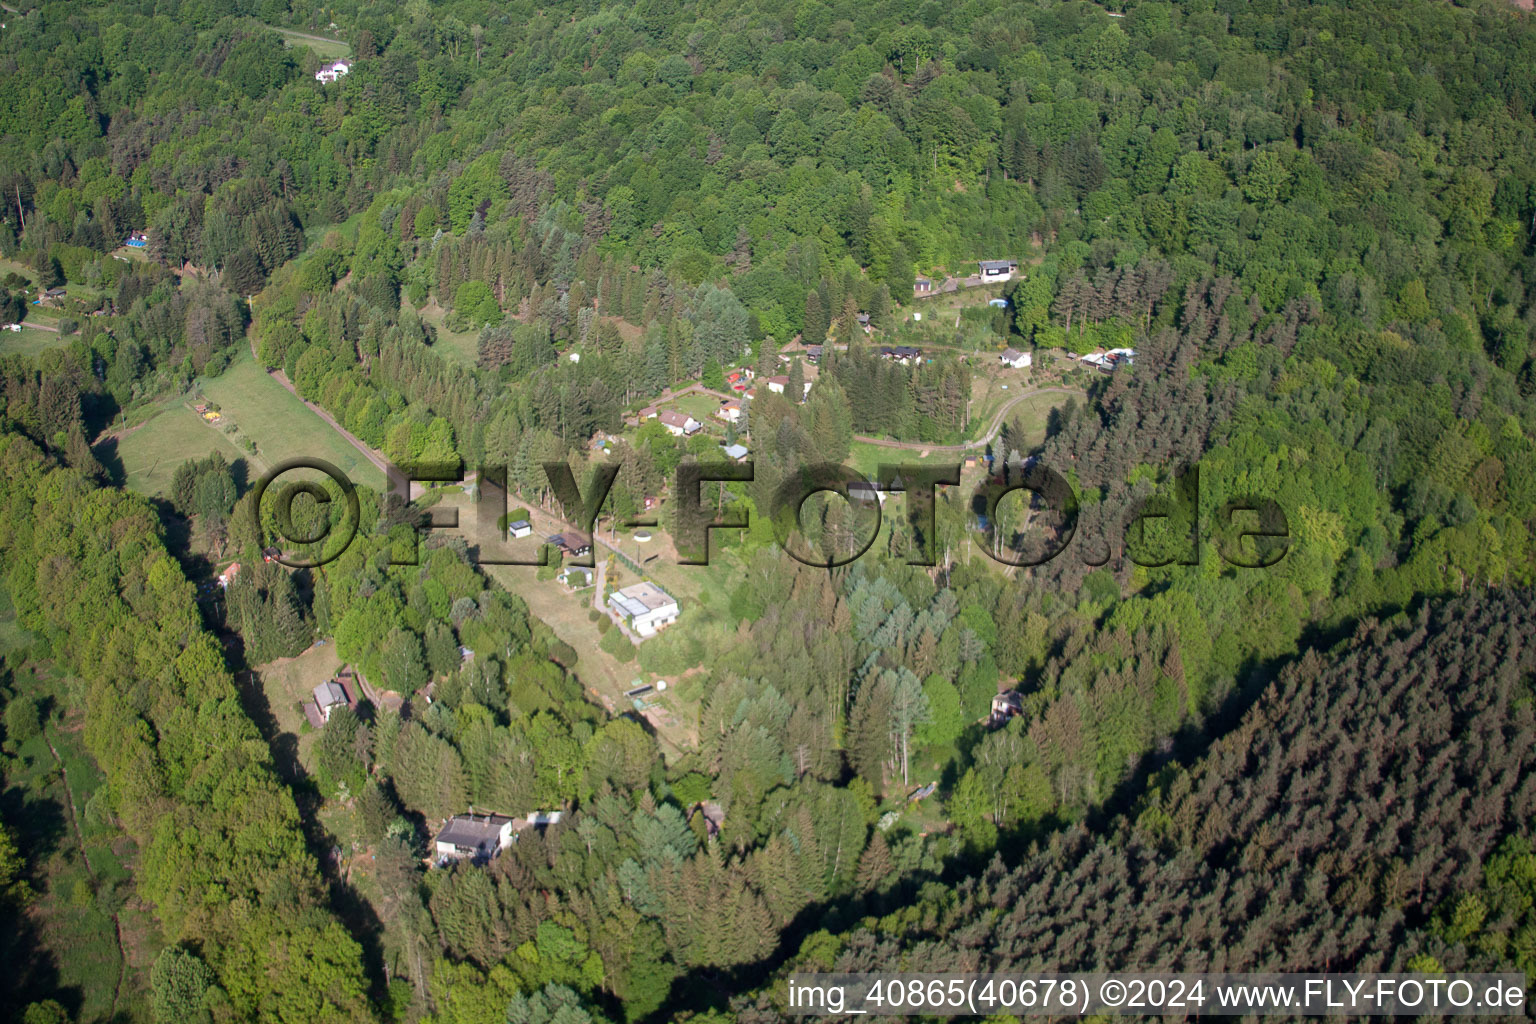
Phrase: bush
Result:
[604,623]
[23,720]
[563,653]
[618,645]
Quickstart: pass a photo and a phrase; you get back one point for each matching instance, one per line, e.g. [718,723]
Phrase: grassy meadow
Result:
[282,426]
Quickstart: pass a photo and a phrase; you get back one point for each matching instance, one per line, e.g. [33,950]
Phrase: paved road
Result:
[597,596]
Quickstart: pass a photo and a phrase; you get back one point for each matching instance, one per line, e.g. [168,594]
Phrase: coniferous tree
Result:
[816,319]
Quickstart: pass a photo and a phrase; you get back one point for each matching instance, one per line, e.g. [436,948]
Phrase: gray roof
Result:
[329,693]
[1011,354]
[480,833]
[640,598]
[736,451]
[521,524]
[996,264]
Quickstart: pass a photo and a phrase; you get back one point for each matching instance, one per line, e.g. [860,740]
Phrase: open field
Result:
[700,407]
[29,342]
[151,453]
[131,253]
[462,347]
[280,423]
[325,49]
[314,234]
[988,392]
[866,457]
[14,267]
[1034,413]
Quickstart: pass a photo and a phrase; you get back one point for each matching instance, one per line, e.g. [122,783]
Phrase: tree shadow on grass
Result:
[31,969]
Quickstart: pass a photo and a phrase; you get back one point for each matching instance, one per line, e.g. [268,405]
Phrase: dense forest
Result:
[1277,851]
[1316,225]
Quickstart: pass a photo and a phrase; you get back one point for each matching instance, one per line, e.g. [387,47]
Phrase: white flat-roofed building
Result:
[646,606]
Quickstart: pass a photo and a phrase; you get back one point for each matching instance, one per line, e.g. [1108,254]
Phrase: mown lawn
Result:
[282,426]
[700,407]
[151,453]
[1033,415]
[29,342]
[325,49]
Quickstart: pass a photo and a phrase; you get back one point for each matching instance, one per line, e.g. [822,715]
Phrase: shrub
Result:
[23,720]
[618,645]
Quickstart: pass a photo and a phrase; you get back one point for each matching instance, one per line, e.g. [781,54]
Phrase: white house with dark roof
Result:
[329,696]
[679,424]
[997,270]
[479,837]
[1016,359]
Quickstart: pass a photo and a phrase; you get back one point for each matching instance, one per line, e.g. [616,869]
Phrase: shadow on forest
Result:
[106,453]
[31,969]
[351,907]
[702,989]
